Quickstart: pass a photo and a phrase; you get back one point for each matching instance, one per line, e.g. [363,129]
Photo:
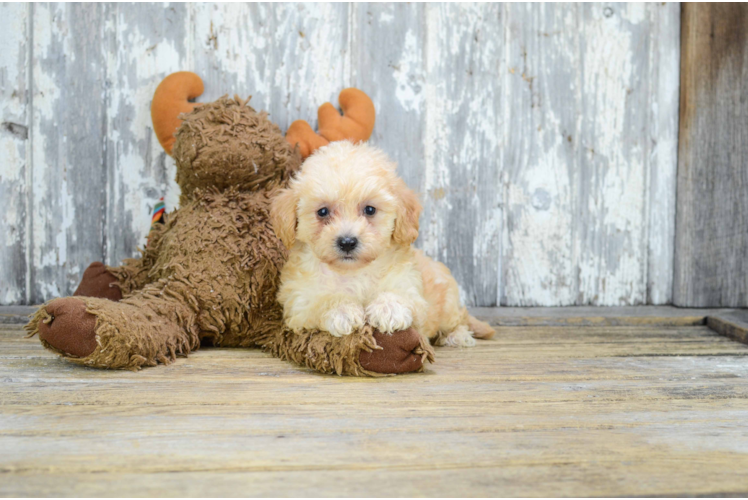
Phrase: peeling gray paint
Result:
[14,151]
[541,138]
[589,87]
[145,43]
[67,129]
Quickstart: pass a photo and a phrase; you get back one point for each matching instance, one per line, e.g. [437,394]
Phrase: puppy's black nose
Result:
[347,243]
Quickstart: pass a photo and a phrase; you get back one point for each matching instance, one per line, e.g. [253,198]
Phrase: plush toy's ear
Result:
[169,101]
[408,212]
[283,216]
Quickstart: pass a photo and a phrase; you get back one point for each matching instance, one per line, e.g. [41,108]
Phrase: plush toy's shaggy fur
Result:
[210,273]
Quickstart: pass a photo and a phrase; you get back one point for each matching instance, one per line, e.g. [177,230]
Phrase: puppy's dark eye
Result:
[369,210]
[323,212]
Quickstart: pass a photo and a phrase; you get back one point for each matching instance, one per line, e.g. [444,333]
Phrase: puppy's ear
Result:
[408,212]
[283,216]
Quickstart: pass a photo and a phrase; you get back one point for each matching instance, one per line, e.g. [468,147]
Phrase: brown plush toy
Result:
[210,273]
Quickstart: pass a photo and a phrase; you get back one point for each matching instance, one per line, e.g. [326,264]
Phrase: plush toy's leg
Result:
[142,330]
[99,282]
[364,353]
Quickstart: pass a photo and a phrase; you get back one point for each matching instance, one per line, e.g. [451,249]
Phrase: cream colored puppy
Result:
[349,222]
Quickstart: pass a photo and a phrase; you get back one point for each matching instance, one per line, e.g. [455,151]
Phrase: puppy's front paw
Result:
[388,314]
[343,319]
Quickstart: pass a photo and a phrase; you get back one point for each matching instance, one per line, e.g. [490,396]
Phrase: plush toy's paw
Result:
[399,353]
[343,319]
[69,328]
[98,282]
[460,337]
[388,314]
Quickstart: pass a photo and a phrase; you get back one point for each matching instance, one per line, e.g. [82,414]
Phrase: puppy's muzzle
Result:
[347,244]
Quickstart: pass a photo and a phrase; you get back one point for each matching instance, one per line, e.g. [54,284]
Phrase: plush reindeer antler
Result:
[356,124]
[172,99]
[169,101]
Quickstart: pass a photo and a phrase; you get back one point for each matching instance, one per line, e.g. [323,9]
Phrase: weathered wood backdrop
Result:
[542,138]
[711,258]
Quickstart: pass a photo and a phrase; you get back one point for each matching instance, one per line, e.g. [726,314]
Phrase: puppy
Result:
[349,221]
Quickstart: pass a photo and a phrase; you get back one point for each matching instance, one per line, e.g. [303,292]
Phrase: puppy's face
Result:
[348,205]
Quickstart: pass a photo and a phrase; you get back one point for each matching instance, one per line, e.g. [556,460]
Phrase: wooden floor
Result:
[539,411]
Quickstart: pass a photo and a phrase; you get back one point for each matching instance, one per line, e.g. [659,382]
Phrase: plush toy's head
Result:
[227,143]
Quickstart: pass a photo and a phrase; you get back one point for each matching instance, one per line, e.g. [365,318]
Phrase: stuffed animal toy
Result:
[209,274]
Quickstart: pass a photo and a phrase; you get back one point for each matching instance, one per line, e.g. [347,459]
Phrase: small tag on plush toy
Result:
[157,217]
[158,212]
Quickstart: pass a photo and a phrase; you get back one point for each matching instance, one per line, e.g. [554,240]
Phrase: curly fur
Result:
[381,281]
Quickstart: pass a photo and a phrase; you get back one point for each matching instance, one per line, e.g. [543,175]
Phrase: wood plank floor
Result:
[539,411]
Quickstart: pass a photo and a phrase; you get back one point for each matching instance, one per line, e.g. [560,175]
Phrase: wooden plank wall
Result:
[711,258]
[14,153]
[541,138]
